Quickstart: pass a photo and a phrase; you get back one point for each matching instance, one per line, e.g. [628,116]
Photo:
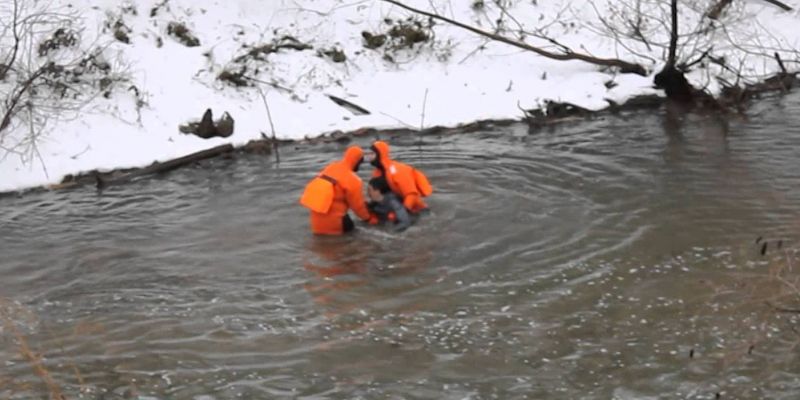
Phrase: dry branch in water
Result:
[566,55]
[25,351]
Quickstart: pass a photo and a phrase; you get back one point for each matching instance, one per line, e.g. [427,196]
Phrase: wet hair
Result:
[380,184]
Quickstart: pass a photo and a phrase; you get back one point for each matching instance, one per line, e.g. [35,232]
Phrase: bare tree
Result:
[47,73]
[680,35]
[564,53]
[719,35]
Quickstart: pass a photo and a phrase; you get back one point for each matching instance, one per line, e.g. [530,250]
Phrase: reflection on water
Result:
[611,258]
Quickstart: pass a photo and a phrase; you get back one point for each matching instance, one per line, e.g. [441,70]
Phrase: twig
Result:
[524,113]
[779,4]
[780,62]
[271,125]
[398,120]
[783,309]
[424,103]
[35,148]
[689,64]
[477,49]
[504,11]
[4,69]
[325,13]
[273,84]
[75,157]
[16,97]
[614,33]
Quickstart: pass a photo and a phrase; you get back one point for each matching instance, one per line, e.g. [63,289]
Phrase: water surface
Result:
[611,258]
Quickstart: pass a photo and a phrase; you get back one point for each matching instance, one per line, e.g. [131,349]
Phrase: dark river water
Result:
[613,258]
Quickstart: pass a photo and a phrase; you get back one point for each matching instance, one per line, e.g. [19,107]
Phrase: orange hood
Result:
[353,157]
[382,149]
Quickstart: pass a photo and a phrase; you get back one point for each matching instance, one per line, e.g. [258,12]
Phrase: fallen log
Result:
[104,179]
[162,167]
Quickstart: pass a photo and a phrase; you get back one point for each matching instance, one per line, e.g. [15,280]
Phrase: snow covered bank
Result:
[465,76]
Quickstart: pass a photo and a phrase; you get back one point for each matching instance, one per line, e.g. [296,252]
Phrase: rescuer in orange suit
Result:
[335,190]
[408,183]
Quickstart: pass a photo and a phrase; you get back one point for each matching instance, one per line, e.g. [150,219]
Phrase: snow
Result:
[466,78]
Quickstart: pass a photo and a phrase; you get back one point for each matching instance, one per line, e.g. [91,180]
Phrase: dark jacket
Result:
[391,205]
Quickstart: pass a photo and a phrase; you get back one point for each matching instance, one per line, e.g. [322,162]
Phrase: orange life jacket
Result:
[332,192]
[406,181]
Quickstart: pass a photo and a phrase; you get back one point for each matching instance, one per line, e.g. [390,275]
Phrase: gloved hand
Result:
[373,219]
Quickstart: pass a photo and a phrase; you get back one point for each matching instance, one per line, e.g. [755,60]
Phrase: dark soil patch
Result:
[261,51]
[400,34]
[179,31]
[61,38]
[235,78]
[335,54]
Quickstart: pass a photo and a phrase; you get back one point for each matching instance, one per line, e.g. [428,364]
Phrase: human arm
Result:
[355,199]
[407,187]
[402,219]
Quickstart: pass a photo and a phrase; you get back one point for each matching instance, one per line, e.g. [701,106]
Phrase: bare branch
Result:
[55,74]
[690,64]
[566,56]
[779,4]
[271,126]
[14,101]
[780,62]
[424,103]
[614,33]
[4,68]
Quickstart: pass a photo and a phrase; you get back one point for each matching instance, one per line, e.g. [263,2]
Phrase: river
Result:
[618,257]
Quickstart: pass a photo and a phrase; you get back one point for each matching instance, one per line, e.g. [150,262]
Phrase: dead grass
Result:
[754,304]
[9,311]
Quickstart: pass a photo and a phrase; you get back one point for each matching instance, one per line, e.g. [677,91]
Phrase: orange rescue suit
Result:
[404,180]
[335,190]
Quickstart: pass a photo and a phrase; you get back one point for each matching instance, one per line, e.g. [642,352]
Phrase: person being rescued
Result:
[333,191]
[407,182]
[386,205]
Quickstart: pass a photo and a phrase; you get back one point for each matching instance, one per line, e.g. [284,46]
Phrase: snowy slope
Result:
[466,78]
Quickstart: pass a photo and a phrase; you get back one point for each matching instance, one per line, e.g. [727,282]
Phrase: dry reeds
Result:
[8,310]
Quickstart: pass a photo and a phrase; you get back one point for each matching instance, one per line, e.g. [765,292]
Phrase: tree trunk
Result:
[673,39]
[670,79]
